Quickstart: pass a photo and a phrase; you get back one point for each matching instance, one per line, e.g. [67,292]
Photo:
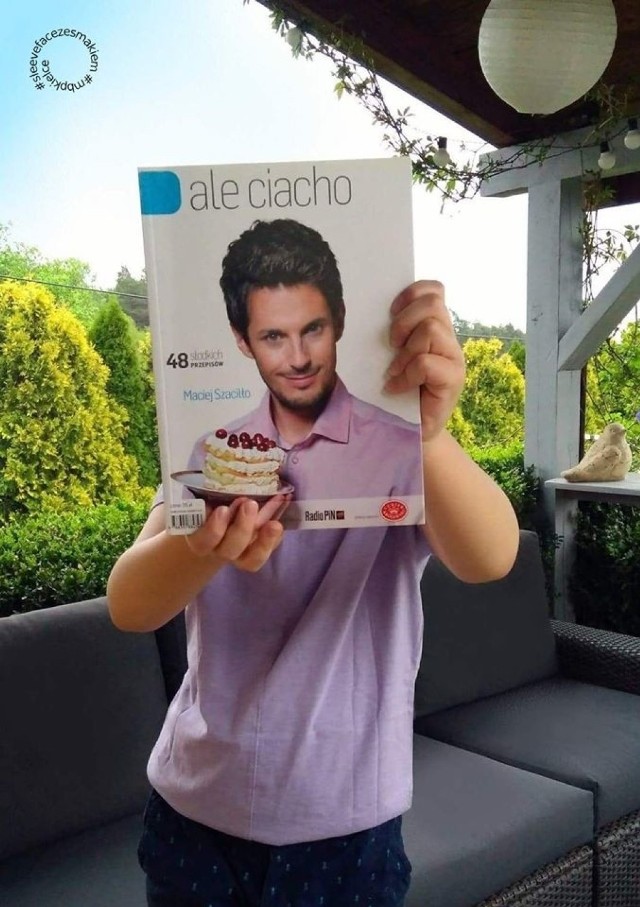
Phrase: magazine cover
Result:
[269,295]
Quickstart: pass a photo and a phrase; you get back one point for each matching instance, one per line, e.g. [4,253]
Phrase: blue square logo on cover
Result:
[159,191]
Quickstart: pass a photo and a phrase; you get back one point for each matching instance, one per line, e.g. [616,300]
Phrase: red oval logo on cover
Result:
[394,511]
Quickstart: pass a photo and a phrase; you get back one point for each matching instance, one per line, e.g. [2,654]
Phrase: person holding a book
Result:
[284,764]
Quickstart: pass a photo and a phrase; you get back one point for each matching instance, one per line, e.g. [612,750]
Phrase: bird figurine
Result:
[607,460]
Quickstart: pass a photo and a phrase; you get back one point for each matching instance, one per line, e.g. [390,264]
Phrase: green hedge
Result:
[604,586]
[605,580]
[57,557]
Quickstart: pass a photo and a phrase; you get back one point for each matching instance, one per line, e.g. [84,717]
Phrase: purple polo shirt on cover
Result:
[355,450]
[294,719]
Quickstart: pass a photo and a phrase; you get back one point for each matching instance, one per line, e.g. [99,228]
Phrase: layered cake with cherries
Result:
[242,463]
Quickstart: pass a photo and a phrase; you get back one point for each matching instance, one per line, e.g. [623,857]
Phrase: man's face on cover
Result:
[292,338]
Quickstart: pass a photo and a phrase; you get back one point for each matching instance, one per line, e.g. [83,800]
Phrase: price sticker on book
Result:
[186,516]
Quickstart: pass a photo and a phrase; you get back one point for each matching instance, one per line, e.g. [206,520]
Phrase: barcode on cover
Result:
[186,520]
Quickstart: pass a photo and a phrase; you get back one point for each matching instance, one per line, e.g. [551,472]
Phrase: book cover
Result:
[269,295]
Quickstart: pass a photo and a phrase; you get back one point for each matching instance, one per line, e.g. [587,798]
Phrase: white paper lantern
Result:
[541,55]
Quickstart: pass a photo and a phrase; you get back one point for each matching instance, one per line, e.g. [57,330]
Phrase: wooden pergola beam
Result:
[569,155]
[595,324]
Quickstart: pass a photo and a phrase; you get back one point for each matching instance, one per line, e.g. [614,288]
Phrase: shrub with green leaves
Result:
[60,432]
[52,558]
[605,579]
[492,400]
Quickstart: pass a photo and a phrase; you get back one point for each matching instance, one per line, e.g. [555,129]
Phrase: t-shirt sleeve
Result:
[158,497]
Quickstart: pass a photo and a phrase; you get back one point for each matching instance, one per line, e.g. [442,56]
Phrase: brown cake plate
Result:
[194,481]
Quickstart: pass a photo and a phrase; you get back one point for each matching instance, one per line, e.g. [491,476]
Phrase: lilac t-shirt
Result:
[294,719]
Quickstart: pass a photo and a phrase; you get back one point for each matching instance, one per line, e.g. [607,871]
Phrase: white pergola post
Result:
[554,302]
[552,400]
[560,336]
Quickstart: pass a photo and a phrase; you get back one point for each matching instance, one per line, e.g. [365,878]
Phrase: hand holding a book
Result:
[242,534]
[160,574]
[428,353]
[470,523]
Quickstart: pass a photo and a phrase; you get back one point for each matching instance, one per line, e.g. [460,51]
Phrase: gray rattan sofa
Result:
[527,752]
[544,808]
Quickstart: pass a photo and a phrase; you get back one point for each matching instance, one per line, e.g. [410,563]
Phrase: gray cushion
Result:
[481,639]
[575,732]
[98,868]
[81,707]
[477,826]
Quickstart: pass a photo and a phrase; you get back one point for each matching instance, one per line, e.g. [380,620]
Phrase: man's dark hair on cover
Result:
[277,252]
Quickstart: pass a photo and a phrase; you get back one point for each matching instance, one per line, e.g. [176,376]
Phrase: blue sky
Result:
[206,81]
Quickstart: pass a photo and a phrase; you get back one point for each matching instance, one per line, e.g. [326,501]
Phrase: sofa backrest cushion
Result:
[482,639]
[81,705]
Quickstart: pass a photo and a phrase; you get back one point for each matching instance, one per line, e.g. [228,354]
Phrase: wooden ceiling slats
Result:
[429,48]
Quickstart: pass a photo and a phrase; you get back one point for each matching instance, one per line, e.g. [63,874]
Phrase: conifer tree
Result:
[114,336]
[60,433]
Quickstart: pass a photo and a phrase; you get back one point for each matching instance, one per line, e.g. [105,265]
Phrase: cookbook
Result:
[269,287]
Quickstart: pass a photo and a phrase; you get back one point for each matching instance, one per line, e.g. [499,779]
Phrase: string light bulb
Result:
[632,138]
[441,156]
[607,158]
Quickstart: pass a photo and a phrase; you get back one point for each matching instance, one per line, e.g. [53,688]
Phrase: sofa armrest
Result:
[601,657]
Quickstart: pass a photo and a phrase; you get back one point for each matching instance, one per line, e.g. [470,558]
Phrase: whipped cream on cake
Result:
[242,463]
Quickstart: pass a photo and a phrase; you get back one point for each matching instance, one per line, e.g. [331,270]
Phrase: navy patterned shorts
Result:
[191,865]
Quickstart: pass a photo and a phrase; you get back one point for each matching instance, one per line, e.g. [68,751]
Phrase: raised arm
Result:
[160,573]
[470,522]
[471,525]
